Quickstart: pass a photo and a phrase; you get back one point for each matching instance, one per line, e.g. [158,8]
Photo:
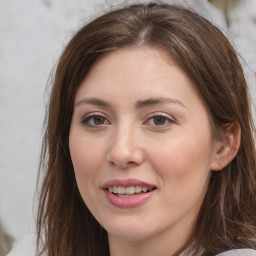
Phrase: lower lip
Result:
[129,201]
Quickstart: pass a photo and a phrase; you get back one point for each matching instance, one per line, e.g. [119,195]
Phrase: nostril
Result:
[128,164]
[123,165]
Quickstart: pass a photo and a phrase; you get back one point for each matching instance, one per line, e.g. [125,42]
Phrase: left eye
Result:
[159,120]
[94,120]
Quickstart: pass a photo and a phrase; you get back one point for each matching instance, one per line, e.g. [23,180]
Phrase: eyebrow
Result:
[139,104]
[156,101]
[93,101]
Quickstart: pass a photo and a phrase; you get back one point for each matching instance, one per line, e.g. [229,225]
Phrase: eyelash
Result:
[91,117]
[167,120]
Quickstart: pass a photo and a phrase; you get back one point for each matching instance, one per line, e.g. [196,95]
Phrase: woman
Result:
[148,147]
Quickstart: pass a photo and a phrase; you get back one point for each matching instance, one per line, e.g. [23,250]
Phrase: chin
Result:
[129,235]
[129,230]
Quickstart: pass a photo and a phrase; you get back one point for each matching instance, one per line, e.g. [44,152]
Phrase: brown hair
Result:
[227,218]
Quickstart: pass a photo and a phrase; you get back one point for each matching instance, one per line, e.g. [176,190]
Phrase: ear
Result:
[226,148]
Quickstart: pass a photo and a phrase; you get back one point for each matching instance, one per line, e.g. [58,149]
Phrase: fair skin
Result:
[138,116]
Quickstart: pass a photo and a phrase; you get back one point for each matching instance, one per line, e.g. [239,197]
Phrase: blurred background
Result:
[32,36]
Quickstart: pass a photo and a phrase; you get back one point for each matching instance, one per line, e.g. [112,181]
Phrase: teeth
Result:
[125,195]
[121,190]
[138,189]
[128,190]
[115,189]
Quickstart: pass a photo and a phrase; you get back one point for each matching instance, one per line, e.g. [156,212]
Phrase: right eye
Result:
[94,121]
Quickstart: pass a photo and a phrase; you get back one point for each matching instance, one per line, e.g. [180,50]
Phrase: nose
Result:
[125,148]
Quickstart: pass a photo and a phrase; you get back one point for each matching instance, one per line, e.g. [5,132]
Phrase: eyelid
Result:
[164,115]
[91,115]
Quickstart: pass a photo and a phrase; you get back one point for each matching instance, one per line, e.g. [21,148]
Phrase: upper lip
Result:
[127,183]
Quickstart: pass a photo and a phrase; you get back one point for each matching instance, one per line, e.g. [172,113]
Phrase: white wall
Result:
[32,34]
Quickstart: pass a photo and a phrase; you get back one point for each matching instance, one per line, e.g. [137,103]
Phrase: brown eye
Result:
[94,121]
[159,120]
[98,120]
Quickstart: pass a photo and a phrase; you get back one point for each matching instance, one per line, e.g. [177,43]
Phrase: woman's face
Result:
[141,145]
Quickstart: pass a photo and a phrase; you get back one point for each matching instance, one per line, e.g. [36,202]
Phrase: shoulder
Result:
[239,252]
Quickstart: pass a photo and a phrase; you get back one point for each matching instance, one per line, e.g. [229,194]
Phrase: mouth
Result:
[122,191]
[128,188]
[128,193]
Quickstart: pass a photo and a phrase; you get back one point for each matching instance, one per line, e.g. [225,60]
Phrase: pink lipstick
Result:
[128,193]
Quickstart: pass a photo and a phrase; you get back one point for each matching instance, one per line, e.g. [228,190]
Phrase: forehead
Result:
[138,67]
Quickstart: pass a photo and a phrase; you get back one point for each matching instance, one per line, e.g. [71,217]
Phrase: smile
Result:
[128,193]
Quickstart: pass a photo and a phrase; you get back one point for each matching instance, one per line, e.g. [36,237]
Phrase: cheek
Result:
[182,154]
[183,166]
[86,158]
[86,152]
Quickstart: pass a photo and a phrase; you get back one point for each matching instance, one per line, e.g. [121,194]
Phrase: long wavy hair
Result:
[227,218]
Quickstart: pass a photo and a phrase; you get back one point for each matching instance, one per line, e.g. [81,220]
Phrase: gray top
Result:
[239,252]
